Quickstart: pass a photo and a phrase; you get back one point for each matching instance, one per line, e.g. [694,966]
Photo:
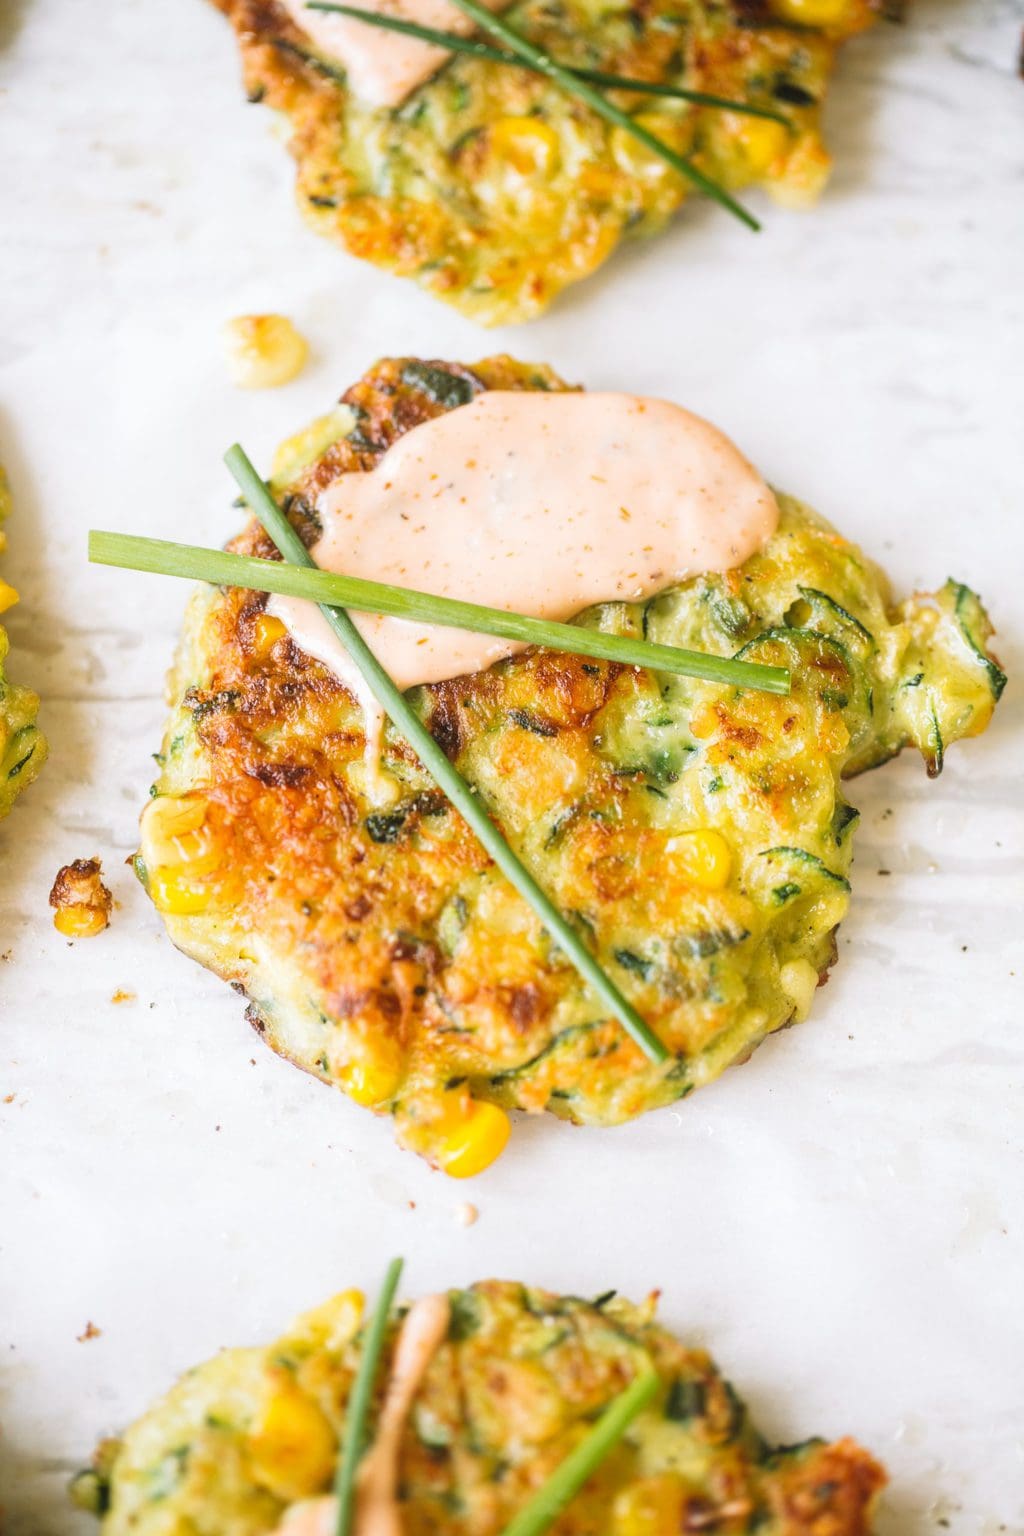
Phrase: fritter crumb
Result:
[81,901]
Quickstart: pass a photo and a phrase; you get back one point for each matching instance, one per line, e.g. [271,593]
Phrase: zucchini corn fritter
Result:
[697,834]
[512,1390]
[494,189]
[22,745]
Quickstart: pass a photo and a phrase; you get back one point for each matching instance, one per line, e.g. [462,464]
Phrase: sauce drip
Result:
[383,68]
[423,1331]
[542,503]
[378,1512]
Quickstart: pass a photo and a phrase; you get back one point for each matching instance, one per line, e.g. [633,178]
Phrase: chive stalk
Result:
[359,1402]
[455,43]
[222,568]
[568,1478]
[461,794]
[311,60]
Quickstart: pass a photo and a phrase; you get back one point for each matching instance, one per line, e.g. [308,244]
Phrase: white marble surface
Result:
[842,1220]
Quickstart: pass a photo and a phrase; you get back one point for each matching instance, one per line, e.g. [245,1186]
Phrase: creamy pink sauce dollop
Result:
[383,68]
[378,1512]
[542,503]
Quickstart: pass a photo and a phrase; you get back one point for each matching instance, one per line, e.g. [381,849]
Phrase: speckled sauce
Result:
[536,503]
[382,67]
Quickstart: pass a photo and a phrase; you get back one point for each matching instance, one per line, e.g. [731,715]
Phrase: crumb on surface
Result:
[81,902]
[90,1331]
[466,1214]
[123,995]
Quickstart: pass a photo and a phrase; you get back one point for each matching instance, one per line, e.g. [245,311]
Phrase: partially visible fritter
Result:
[494,189]
[518,1381]
[696,834]
[22,745]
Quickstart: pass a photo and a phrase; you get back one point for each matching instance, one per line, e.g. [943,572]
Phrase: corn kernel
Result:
[333,1323]
[799,981]
[170,815]
[179,851]
[653,1506]
[700,858]
[812,13]
[373,1075]
[176,892]
[82,903]
[267,631]
[80,922]
[292,1447]
[8,596]
[347,1308]
[174,834]
[599,181]
[197,850]
[760,141]
[373,782]
[263,351]
[633,157]
[807,170]
[473,1135]
[527,144]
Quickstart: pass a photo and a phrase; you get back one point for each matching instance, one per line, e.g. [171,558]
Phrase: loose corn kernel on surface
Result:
[263,351]
[82,903]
